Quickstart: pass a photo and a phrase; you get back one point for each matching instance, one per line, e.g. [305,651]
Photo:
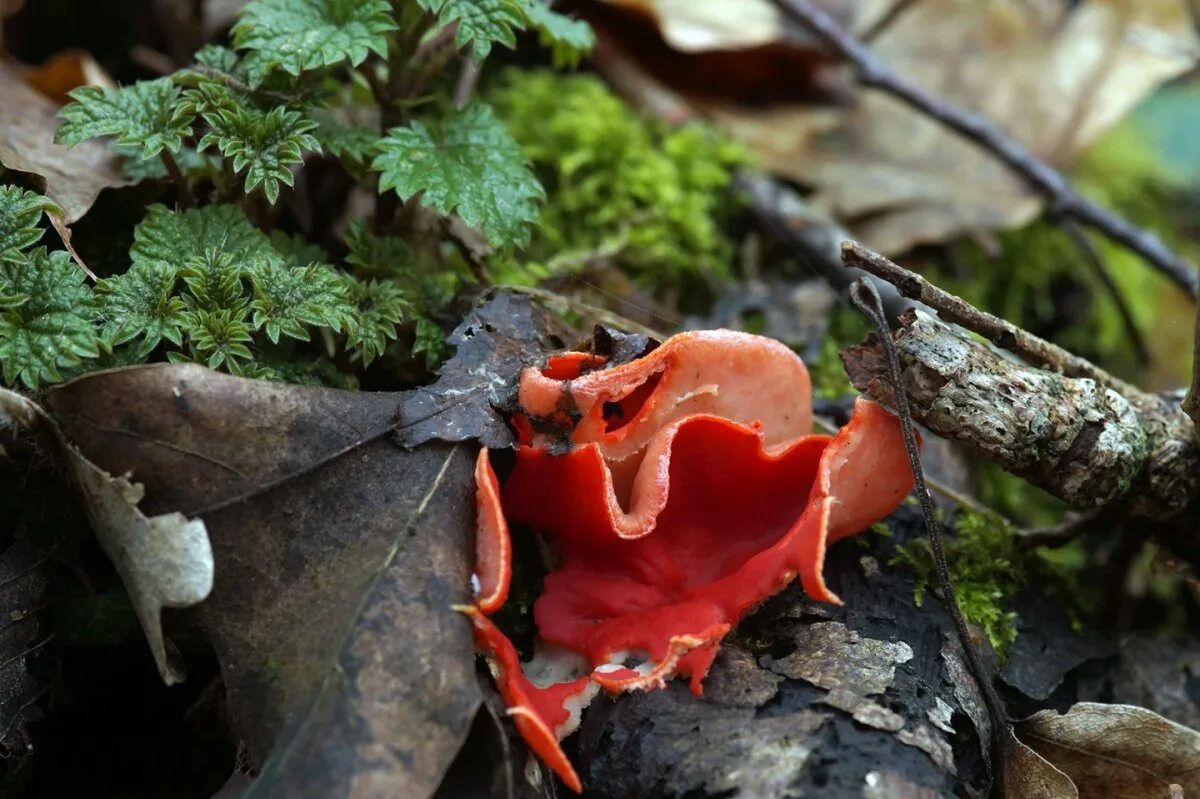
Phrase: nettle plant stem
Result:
[866,298]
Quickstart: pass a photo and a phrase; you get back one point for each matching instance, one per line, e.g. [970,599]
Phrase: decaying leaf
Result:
[1052,77]
[1027,775]
[1117,751]
[339,552]
[22,586]
[164,560]
[73,177]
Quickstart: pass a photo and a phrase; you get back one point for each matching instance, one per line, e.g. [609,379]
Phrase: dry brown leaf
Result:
[340,547]
[1117,751]
[1053,81]
[1027,775]
[65,71]
[164,560]
[72,178]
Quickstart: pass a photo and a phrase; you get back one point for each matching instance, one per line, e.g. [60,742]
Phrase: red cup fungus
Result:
[678,491]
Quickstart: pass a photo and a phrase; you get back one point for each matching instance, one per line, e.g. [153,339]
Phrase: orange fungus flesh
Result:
[691,491]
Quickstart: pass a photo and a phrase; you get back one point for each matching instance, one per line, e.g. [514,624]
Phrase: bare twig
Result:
[1091,256]
[864,295]
[1063,199]
[1036,351]
[467,79]
[888,19]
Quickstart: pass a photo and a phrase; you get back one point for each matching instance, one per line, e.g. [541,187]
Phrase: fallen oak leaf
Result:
[1116,751]
[164,560]
[72,178]
[339,550]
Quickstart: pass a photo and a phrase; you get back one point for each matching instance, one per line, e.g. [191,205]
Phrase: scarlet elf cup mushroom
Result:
[678,491]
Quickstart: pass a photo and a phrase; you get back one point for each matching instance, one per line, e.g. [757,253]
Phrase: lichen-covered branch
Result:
[1079,440]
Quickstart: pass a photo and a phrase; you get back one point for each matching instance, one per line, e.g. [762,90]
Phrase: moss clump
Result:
[653,199]
[988,566]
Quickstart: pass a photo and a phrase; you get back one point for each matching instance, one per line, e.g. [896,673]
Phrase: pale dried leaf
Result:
[1117,751]
[164,560]
[73,177]
[1027,775]
[1053,82]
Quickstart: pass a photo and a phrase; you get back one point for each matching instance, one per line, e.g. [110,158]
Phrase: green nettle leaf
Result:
[474,168]
[219,337]
[263,144]
[142,303]
[146,115]
[353,145]
[287,299]
[297,35]
[174,237]
[215,281]
[378,255]
[429,342]
[297,250]
[214,56]
[568,39]
[54,328]
[480,22]
[20,213]
[379,306]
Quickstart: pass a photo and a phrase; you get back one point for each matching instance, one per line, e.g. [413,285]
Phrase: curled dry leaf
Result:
[164,560]
[1117,751]
[339,550]
[71,177]
[1028,775]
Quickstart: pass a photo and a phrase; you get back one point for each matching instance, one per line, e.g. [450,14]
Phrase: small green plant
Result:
[988,565]
[651,198]
[227,277]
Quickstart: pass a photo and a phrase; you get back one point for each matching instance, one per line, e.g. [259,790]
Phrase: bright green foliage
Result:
[481,23]
[379,306]
[20,213]
[214,280]
[829,379]
[656,196]
[568,39]
[54,328]
[173,238]
[298,35]
[986,567]
[220,337]
[378,256]
[145,115]
[288,298]
[470,167]
[353,145]
[142,303]
[263,144]
[296,250]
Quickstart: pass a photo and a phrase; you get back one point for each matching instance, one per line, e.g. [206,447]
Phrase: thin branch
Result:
[1092,257]
[864,295]
[186,198]
[1062,197]
[888,19]
[467,80]
[954,309]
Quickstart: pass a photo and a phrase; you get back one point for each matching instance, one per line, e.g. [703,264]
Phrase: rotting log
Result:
[1081,442]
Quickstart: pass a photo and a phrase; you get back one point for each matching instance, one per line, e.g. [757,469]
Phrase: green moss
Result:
[988,566]
[651,198]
